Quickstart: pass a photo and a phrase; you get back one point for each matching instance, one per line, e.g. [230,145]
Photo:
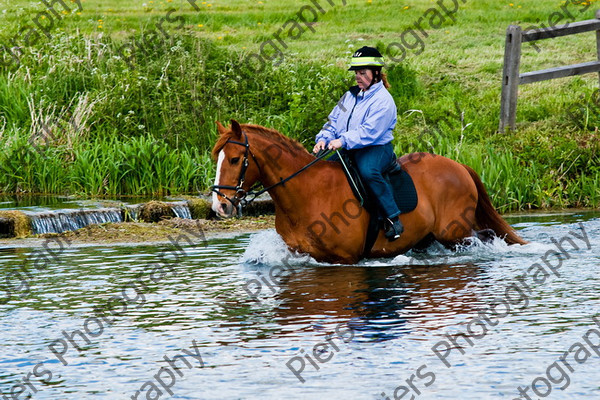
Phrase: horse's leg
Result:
[457,221]
[419,224]
[424,243]
[486,235]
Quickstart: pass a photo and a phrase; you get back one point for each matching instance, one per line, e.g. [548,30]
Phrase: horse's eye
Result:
[234,160]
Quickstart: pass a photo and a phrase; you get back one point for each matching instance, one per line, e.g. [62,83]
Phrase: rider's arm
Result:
[330,129]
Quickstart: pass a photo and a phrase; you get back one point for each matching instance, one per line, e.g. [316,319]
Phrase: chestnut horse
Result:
[317,213]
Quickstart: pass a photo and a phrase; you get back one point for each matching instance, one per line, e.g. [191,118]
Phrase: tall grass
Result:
[136,166]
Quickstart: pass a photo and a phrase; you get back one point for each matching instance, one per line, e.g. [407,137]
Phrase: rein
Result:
[240,194]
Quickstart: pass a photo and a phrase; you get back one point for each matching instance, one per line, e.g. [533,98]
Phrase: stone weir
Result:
[16,223]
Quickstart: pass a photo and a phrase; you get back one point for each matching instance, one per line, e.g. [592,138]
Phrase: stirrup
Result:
[395,229]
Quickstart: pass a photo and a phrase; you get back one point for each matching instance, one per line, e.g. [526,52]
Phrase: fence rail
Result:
[511,78]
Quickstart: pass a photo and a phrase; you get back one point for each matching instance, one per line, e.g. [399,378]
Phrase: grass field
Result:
[114,97]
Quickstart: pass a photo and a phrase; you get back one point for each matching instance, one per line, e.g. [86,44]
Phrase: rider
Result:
[362,123]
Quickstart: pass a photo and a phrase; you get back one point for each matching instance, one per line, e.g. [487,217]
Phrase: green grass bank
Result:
[120,98]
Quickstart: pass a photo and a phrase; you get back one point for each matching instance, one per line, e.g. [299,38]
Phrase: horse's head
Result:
[237,170]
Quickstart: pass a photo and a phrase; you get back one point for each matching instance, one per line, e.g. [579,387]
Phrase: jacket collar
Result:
[355,90]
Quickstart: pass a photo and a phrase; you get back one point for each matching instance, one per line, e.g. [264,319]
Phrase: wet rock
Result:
[155,211]
[14,224]
[199,208]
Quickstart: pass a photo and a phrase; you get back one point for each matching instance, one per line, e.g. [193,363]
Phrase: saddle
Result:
[403,188]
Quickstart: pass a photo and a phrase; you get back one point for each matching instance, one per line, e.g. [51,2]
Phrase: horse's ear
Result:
[236,128]
[222,130]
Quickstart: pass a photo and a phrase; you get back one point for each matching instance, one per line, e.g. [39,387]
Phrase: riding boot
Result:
[394,229]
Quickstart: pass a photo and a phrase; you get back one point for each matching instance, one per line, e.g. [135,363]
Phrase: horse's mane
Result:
[268,133]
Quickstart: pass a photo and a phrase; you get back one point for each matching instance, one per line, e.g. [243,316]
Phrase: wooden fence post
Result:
[510,78]
[597,15]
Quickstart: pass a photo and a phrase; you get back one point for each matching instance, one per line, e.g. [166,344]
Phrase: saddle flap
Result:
[402,184]
[354,180]
[403,188]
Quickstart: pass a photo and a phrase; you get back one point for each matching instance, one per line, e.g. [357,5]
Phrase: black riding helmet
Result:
[366,57]
[370,58]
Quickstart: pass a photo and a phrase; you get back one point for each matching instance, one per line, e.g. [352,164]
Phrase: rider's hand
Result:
[319,146]
[335,144]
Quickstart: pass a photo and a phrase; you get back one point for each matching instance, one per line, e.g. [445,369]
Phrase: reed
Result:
[103,167]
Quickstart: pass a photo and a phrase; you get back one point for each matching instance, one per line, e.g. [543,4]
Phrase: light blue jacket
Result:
[361,119]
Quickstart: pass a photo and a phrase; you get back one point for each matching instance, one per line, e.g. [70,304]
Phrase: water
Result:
[390,315]
[57,214]
[59,221]
[50,203]
[71,220]
[181,210]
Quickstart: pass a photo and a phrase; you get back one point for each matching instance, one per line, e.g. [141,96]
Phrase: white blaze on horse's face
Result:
[216,205]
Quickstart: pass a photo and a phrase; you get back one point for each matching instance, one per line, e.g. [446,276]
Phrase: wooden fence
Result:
[511,78]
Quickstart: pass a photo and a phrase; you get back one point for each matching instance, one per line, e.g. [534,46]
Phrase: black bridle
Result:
[241,194]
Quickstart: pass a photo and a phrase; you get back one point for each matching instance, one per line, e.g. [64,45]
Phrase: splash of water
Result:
[268,248]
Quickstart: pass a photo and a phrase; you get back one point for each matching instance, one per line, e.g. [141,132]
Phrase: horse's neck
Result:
[279,162]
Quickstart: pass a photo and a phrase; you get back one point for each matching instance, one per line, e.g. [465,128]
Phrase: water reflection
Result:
[20,201]
[378,301]
[47,203]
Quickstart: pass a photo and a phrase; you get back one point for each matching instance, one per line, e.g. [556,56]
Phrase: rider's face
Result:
[364,78]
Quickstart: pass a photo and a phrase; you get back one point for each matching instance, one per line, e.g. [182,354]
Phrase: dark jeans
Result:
[371,161]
